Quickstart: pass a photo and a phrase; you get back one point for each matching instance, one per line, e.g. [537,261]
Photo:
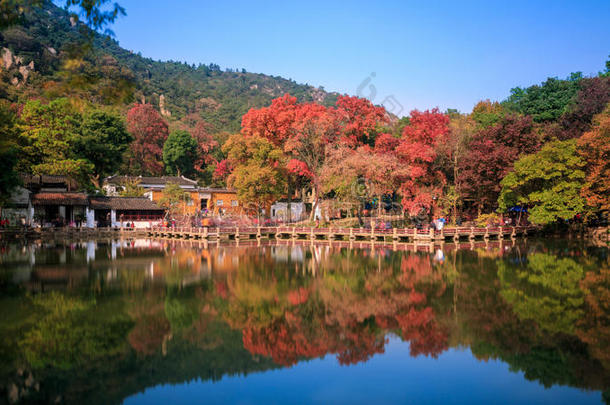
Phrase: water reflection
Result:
[102,320]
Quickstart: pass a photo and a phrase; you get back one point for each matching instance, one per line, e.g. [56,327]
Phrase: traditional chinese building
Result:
[124,211]
[219,201]
[60,208]
[204,200]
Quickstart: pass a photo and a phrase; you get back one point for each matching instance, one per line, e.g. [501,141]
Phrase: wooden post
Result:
[431,233]
[486,232]
[513,234]
[294,232]
[237,232]
[205,232]
[501,234]
[471,236]
[351,234]
[258,232]
[311,235]
[217,232]
[394,234]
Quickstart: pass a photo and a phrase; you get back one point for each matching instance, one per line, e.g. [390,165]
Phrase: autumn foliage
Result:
[595,149]
[417,149]
[150,132]
[492,154]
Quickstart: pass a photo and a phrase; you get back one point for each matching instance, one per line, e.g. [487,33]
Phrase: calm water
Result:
[150,322]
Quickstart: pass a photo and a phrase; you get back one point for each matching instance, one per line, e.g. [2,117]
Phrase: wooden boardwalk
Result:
[352,234]
[415,246]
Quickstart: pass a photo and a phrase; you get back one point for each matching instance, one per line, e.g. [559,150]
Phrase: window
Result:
[219,202]
[234,203]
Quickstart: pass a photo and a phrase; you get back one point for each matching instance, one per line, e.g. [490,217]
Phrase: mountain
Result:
[50,55]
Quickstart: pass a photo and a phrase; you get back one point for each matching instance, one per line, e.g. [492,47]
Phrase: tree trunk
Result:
[95,179]
[289,216]
[454,220]
[314,206]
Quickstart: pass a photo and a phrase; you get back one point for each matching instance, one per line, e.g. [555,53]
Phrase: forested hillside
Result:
[64,64]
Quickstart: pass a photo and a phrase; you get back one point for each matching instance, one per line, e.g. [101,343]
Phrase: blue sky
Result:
[425,54]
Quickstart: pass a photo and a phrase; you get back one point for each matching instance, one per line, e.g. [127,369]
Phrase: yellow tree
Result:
[257,173]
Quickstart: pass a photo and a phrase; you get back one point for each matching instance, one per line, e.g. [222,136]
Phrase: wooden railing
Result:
[397,232]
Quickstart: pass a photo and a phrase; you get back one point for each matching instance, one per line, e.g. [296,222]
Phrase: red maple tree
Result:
[359,120]
[417,149]
[491,156]
[150,132]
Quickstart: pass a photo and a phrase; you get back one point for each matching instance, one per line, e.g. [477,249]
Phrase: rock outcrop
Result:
[162,109]
[10,61]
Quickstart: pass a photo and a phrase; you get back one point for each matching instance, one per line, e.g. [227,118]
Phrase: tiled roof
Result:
[60,199]
[45,180]
[123,203]
[160,181]
[217,190]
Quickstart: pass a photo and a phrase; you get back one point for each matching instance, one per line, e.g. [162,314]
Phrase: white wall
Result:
[279,210]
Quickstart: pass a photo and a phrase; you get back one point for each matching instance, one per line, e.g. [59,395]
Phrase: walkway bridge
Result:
[352,234]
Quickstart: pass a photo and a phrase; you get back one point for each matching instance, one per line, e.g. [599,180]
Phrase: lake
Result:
[158,322]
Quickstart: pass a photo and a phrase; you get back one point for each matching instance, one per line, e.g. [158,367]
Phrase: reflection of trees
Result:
[149,333]
[535,312]
[264,307]
[69,332]
[290,339]
[594,326]
[546,290]
[345,310]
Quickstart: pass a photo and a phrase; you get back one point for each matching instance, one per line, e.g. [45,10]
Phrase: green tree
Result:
[132,188]
[48,130]
[102,141]
[8,153]
[180,153]
[78,170]
[94,14]
[48,135]
[545,102]
[549,181]
[173,197]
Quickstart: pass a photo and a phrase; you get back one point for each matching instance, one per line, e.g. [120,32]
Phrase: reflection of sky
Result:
[456,377]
